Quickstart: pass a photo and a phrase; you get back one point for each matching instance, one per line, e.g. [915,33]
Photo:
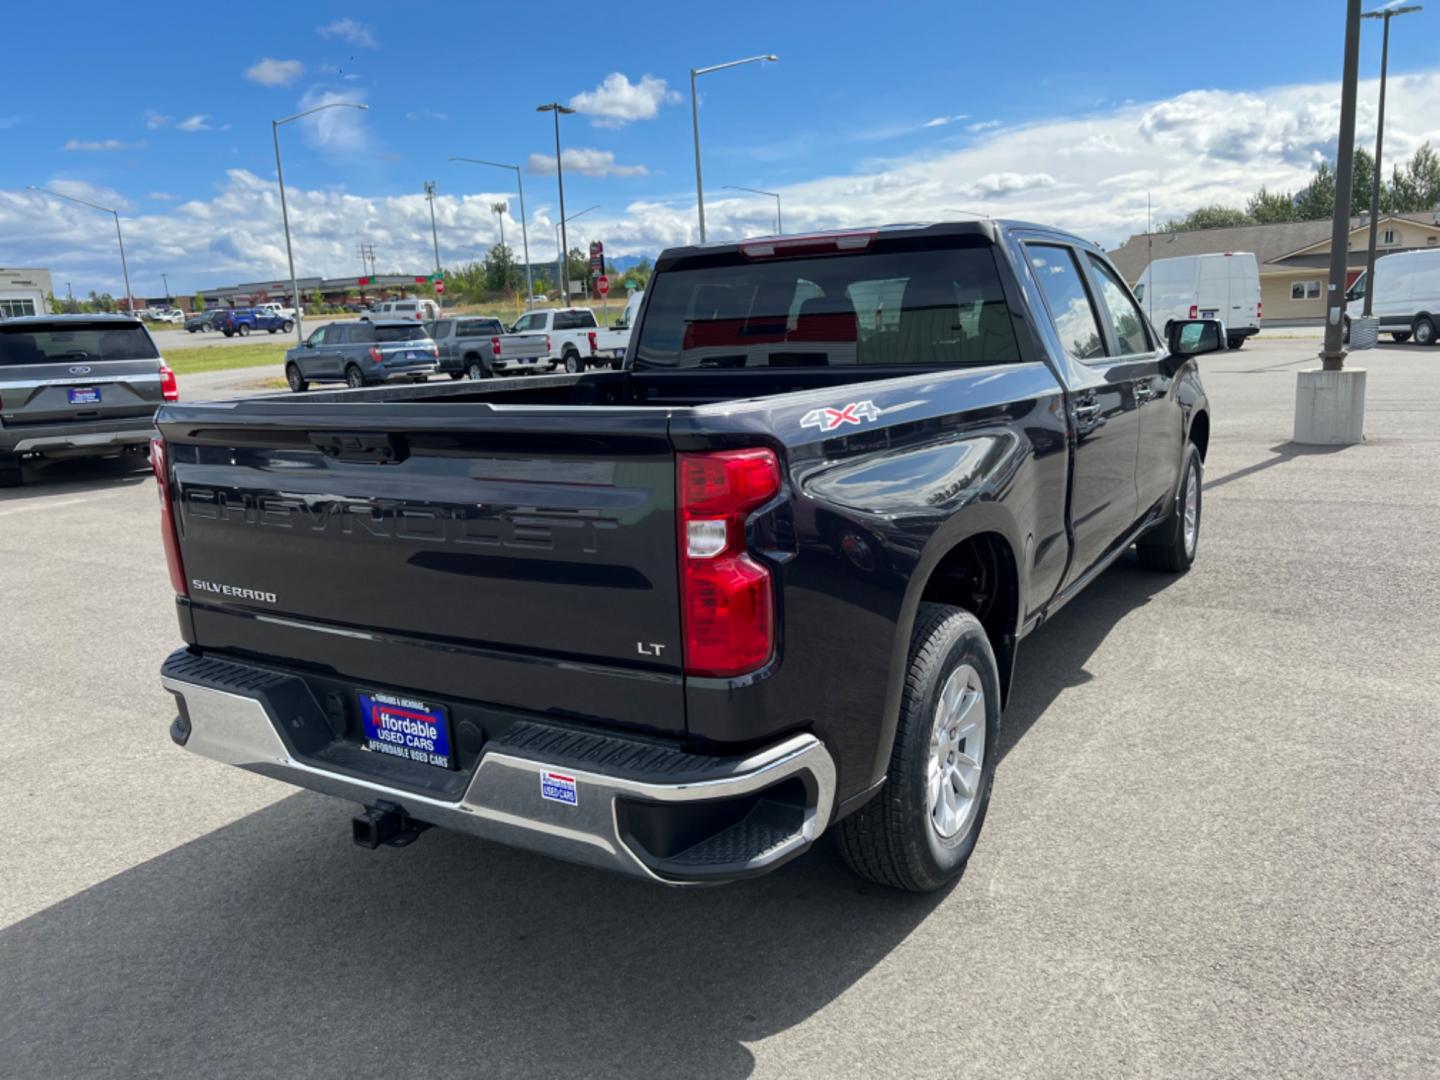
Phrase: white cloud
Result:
[99,145]
[198,122]
[155,119]
[270,72]
[617,101]
[584,162]
[1089,175]
[983,125]
[349,30]
[340,131]
[941,121]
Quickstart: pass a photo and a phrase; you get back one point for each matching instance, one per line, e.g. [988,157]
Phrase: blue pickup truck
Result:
[244,321]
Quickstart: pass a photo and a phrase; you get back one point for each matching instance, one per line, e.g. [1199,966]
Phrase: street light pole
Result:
[695,73]
[559,109]
[166,278]
[562,254]
[779,226]
[435,236]
[524,231]
[284,210]
[1386,15]
[1332,357]
[124,270]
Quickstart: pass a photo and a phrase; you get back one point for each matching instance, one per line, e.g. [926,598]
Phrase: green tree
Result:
[197,303]
[1207,217]
[501,271]
[1268,208]
[578,266]
[1415,187]
[1316,200]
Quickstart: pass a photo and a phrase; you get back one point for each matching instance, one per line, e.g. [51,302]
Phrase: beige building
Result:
[1294,257]
[23,292]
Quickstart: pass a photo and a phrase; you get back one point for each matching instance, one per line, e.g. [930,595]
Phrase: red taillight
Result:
[168,534]
[169,388]
[1259,308]
[821,244]
[494,346]
[375,354]
[435,349]
[728,604]
[1194,311]
[591,336]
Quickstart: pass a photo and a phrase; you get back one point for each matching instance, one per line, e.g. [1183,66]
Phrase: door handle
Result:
[1143,393]
[1087,410]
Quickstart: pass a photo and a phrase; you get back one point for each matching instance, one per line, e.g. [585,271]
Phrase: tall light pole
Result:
[1332,356]
[284,211]
[779,226]
[1387,14]
[166,278]
[562,253]
[435,236]
[498,209]
[559,110]
[524,232]
[124,270]
[695,73]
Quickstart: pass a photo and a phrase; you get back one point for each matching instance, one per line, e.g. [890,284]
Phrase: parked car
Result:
[610,345]
[244,321]
[1224,287]
[465,344]
[278,309]
[77,386]
[421,310]
[360,353]
[1407,296]
[173,316]
[204,320]
[571,336]
[466,606]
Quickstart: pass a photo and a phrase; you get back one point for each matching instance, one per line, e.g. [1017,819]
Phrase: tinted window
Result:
[565,320]
[356,333]
[400,333]
[1070,309]
[442,328]
[320,336]
[1124,315]
[479,328]
[77,341]
[584,320]
[525,322]
[907,305]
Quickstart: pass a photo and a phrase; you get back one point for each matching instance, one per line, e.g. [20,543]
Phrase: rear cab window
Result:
[74,342]
[900,302]
[404,332]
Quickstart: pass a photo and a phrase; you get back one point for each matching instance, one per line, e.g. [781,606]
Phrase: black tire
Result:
[271,329]
[893,840]
[456,374]
[1345,332]
[475,368]
[288,325]
[191,329]
[297,382]
[572,361]
[1235,342]
[10,475]
[354,377]
[244,330]
[1400,336]
[1169,546]
[228,332]
[1423,330]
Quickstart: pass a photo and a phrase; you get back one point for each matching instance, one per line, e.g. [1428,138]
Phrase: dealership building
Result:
[1294,256]
[23,292]
[334,290]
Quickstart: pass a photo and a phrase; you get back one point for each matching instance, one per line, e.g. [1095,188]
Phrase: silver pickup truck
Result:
[77,386]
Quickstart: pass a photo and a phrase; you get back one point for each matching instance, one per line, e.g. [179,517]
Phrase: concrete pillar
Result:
[1330,407]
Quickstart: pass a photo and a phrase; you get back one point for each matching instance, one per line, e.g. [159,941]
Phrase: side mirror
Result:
[1194,337]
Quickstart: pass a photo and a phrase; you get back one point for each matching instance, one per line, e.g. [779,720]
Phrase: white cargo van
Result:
[1224,287]
[1407,296]
[421,310]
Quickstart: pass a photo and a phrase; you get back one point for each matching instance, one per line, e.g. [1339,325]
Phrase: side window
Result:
[1070,310]
[1125,317]
[522,324]
[319,336]
[564,320]
[584,320]
[441,329]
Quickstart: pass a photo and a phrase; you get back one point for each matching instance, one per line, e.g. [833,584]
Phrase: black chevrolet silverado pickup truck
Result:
[768,579]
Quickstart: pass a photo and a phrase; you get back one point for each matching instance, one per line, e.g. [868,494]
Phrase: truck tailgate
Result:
[514,557]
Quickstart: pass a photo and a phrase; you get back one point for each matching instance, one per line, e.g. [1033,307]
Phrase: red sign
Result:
[602,285]
[364,281]
[439,288]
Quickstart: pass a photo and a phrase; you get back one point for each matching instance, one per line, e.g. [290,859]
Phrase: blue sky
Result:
[1061,111]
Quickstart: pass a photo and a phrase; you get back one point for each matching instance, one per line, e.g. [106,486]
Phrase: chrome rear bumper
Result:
[503,800]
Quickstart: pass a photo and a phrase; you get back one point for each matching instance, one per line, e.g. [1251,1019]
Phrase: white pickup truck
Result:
[571,337]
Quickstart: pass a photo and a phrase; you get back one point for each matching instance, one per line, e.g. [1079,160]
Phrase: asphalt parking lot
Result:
[1213,848]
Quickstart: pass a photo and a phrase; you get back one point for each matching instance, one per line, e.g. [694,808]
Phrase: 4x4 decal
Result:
[829,419]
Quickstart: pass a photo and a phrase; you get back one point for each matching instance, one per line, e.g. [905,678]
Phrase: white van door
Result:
[1244,290]
[1213,291]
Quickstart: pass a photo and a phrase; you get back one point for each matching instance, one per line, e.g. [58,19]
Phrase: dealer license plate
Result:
[84,395]
[406,728]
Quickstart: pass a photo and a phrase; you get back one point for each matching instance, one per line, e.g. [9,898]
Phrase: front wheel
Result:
[1171,545]
[918,832]
[354,377]
[288,325]
[228,332]
[1423,330]
[297,382]
[1400,336]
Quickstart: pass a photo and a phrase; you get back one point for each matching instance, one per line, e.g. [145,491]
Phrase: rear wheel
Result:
[457,374]
[1172,544]
[919,831]
[244,329]
[475,369]
[1423,330]
[228,332]
[354,377]
[297,382]
[1400,336]
[572,362]
[9,471]
[1235,342]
